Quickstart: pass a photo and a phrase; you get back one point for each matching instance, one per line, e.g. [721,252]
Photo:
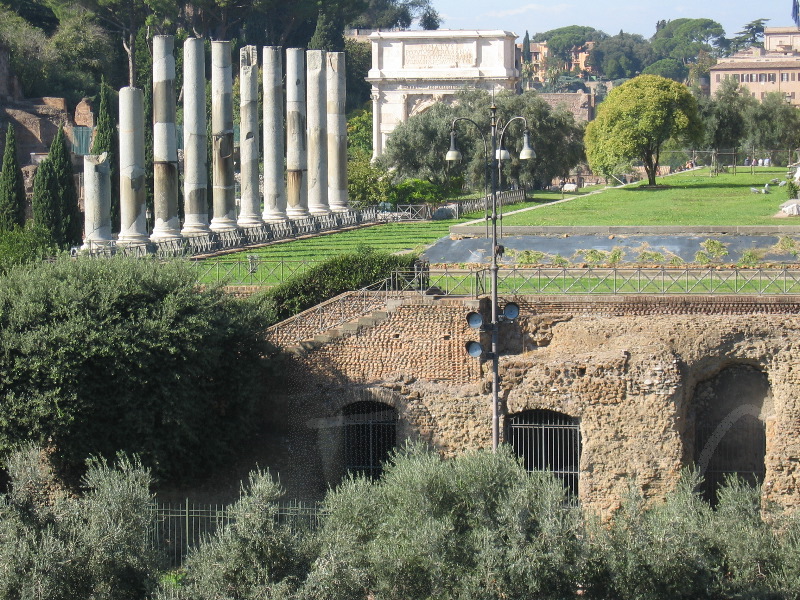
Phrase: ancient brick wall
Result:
[628,368]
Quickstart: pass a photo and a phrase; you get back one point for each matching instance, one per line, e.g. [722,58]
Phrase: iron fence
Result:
[659,281]
[179,528]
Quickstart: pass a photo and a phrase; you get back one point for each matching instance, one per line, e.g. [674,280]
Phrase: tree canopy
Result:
[12,187]
[636,119]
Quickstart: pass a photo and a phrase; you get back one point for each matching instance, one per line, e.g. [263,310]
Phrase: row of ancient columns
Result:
[316,145]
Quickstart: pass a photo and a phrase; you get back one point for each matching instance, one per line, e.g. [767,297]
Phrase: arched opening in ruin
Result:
[730,435]
[548,440]
[370,434]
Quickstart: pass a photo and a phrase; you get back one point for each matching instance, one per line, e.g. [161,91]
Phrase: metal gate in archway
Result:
[370,434]
[548,441]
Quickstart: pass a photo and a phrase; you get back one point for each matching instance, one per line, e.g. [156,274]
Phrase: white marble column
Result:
[132,191]
[337,132]
[317,133]
[222,137]
[296,155]
[165,148]
[195,139]
[274,186]
[250,202]
[376,124]
[96,200]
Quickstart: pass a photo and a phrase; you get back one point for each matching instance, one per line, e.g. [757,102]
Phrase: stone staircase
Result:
[345,329]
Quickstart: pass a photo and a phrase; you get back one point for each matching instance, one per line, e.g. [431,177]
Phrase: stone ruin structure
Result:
[316,146]
[605,391]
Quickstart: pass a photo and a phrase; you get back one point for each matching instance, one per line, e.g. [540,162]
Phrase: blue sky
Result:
[607,15]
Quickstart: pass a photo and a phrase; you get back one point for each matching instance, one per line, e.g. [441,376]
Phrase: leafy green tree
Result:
[367,184]
[683,39]
[562,41]
[389,14]
[46,205]
[526,48]
[669,68]
[359,132]
[105,140]
[60,546]
[24,245]
[102,356]
[253,556]
[724,115]
[771,124]
[752,34]
[635,120]
[358,61]
[67,192]
[328,34]
[621,56]
[475,526]
[429,18]
[12,186]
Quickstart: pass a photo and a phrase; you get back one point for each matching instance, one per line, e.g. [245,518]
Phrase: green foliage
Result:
[252,557]
[668,68]
[367,184]
[331,277]
[109,355]
[358,58]
[71,219]
[636,119]
[12,186]
[416,191]
[24,245]
[55,546]
[327,35]
[621,56]
[105,140]
[771,123]
[792,189]
[416,149]
[45,204]
[475,526]
[359,133]
[684,39]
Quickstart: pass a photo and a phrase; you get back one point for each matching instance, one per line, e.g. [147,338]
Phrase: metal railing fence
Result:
[179,528]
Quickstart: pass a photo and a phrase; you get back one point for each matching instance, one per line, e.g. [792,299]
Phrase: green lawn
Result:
[689,199]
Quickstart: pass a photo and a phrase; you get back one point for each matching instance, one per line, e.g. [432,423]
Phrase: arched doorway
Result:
[370,434]
[730,436]
[548,440]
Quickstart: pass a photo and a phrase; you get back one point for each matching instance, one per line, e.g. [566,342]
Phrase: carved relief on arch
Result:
[419,103]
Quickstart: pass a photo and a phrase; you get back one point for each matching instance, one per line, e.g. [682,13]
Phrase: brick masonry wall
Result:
[626,367]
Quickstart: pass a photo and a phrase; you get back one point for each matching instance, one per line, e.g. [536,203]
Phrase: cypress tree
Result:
[327,36]
[45,204]
[12,187]
[526,48]
[67,193]
[105,140]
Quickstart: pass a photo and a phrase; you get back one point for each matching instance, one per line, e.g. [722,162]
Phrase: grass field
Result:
[691,198]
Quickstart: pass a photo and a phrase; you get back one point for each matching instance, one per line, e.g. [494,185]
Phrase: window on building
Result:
[771,77]
[736,77]
[792,76]
[730,436]
[717,77]
[548,440]
[370,434]
[762,77]
[784,77]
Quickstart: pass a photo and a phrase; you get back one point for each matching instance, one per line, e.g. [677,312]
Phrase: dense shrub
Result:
[55,546]
[477,526]
[415,191]
[98,356]
[252,557]
[24,245]
[334,276]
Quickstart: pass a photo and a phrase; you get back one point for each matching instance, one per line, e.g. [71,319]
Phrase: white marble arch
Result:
[412,70]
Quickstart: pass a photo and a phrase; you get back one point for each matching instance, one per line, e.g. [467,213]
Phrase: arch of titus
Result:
[412,70]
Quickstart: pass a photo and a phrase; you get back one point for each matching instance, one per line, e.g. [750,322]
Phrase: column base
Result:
[222,224]
[249,221]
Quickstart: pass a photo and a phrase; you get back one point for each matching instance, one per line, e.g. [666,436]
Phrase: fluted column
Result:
[165,148]
[274,186]
[222,137]
[296,157]
[250,202]
[195,139]
[96,200]
[132,191]
[337,132]
[377,149]
[317,133]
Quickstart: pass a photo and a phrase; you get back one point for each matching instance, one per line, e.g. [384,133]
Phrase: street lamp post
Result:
[499,153]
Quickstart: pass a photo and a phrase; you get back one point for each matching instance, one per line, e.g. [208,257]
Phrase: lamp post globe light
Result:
[511,310]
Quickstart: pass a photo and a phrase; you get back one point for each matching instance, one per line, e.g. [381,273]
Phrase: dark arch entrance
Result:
[370,434]
[548,440]
[730,436]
